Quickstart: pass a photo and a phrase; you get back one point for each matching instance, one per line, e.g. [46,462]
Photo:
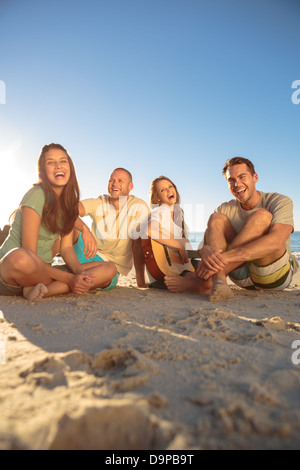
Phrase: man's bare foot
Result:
[187,284]
[35,293]
[220,291]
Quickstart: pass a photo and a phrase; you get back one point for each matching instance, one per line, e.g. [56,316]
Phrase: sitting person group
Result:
[247,238]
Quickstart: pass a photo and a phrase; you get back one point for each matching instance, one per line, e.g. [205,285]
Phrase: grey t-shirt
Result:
[35,199]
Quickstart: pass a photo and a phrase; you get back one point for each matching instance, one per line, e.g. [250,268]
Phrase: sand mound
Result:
[114,425]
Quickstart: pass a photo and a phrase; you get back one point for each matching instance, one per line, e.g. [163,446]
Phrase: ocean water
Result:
[295,244]
[196,237]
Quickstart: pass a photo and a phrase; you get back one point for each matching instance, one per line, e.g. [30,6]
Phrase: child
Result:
[167,220]
[42,226]
[167,228]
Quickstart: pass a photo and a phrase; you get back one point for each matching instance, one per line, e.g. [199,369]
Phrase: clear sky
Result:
[172,87]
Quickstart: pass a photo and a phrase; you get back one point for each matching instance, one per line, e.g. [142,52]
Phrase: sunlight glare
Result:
[14,182]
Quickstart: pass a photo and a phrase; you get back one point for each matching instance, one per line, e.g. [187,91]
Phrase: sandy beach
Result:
[138,369]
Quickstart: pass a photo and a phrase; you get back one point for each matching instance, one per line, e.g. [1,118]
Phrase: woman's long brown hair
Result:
[59,215]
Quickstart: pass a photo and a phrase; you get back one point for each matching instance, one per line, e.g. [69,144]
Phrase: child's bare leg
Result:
[104,272]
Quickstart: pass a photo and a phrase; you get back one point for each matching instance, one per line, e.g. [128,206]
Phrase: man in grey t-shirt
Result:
[248,238]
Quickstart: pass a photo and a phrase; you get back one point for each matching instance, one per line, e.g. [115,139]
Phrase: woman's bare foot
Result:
[35,293]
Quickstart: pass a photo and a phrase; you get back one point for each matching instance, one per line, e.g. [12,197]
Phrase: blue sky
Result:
[172,87]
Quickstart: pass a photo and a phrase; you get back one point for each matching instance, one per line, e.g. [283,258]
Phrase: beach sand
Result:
[140,369]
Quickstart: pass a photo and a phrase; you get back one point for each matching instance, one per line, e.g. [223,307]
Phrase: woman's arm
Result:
[31,222]
[68,254]
[90,243]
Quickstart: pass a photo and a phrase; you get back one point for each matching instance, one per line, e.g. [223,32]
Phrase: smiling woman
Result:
[44,223]
[57,169]
[58,178]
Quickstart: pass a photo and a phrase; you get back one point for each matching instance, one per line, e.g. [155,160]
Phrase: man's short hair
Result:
[123,169]
[238,161]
